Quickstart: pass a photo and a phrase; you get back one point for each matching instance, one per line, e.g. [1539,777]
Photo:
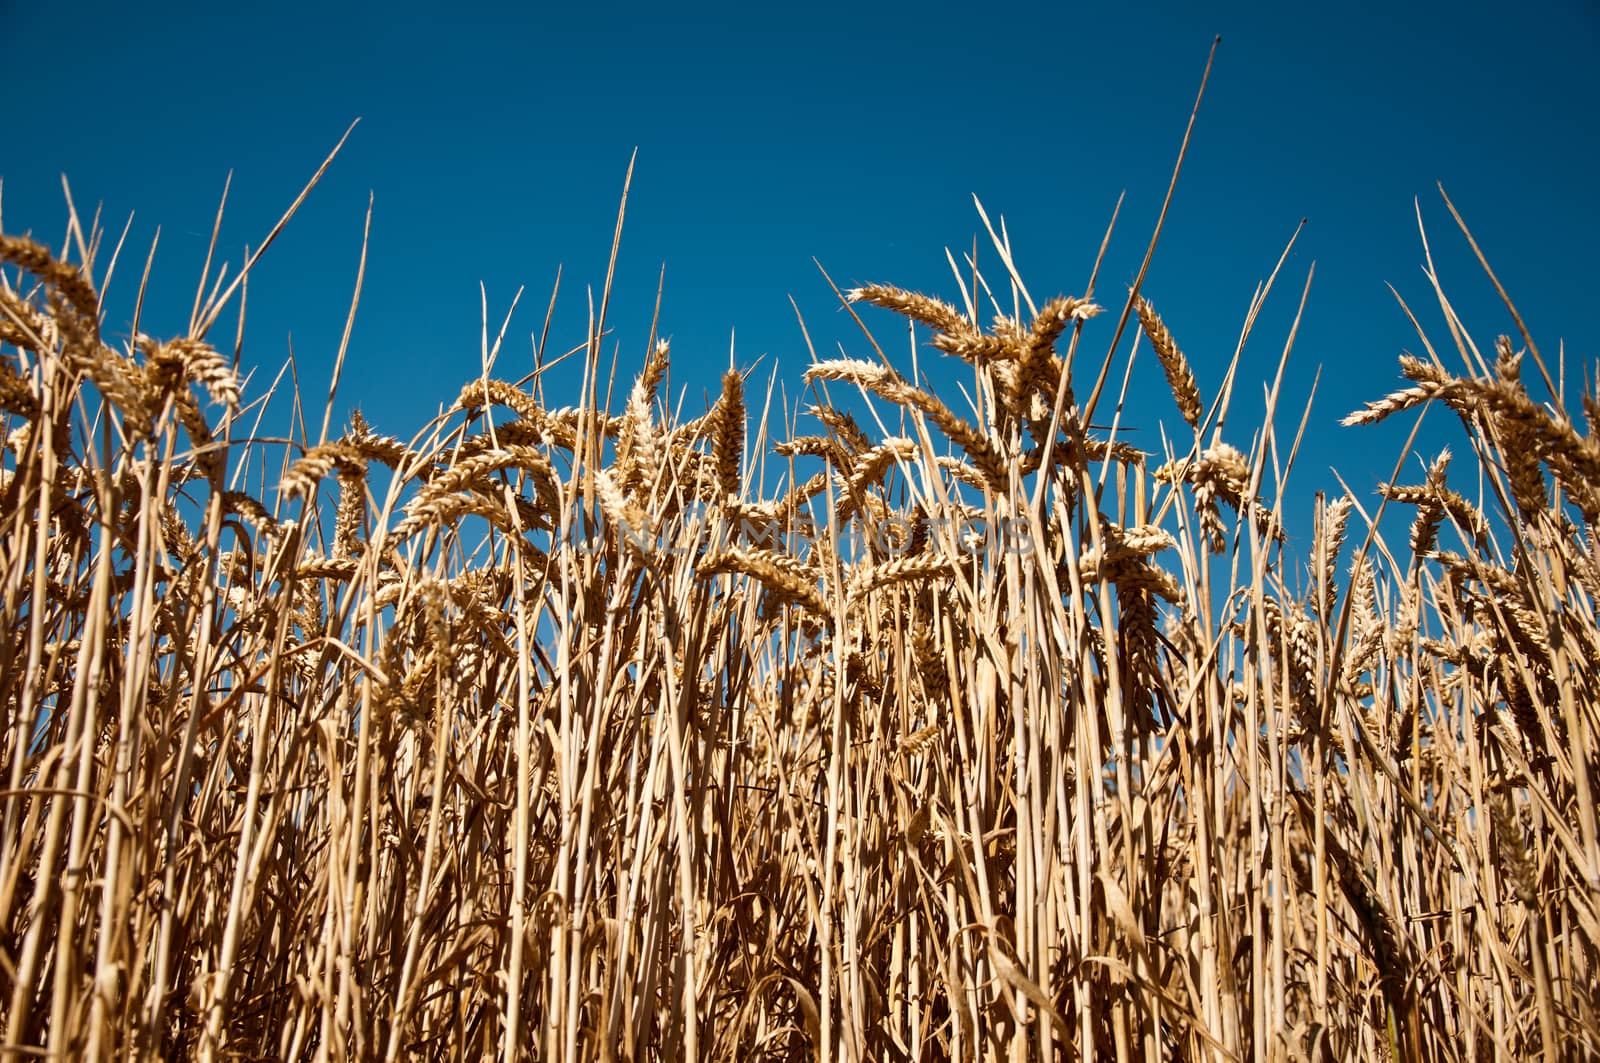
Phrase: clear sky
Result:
[494,142]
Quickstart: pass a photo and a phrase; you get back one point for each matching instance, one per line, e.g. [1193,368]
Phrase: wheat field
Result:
[893,725]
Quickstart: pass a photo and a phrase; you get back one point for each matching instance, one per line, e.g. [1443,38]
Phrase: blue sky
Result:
[494,142]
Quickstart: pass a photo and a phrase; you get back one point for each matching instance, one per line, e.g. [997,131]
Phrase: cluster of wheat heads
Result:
[561,733]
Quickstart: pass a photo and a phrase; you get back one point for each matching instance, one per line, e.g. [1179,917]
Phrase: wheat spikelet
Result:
[1180,378]
[962,471]
[900,570]
[877,514]
[869,468]
[119,381]
[936,314]
[921,533]
[248,507]
[655,369]
[638,445]
[449,509]
[1363,592]
[1434,501]
[748,518]
[692,431]
[374,447]
[1224,467]
[976,347]
[68,280]
[727,445]
[304,475]
[1298,633]
[189,360]
[560,427]
[308,614]
[785,579]
[475,472]
[828,448]
[1074,448]
[434,597]
[977,446]
[1291,635]
[1097,449]
[842,426]
[1465,515]
[340,569]
[388,593]
[480,393]
[1129,573]
[74,321]
[74,316]
[1517,446]
[1220,474]
[1056,316]
[476,596]
[1210,517]
[1500,586]
[480,588]
[16,393]
[178,540]
[1030,392]
[1528,429]
[24,327]
[512,434]
[1522,425]
[1331,519]
[1009,330]
[1358,660]
[1507,362]
[1431,381]
[351,510]
[628,519]
[1140,642]
[797,497]
[239,566]
[1424,529]
[1141,575]
[917,742]
[1519,703]
[1142,540]
[869,376]
[884,382]
[1508,837]
[207,456]
[567,420]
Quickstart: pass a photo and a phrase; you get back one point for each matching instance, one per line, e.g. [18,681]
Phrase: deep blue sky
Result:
[495,144]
